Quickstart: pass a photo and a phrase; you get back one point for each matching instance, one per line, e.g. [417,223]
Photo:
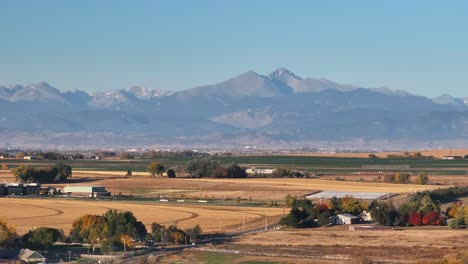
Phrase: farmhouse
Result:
[86,191]
[30,256]
[346,219]
[30,158]
[451,157]
[255,171]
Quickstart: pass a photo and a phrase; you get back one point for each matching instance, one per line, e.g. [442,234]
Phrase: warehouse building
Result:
[86,191]
[19,189]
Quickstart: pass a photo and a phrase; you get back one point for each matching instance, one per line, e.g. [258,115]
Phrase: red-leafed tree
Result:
[321,207]
[431,218]
[415,219]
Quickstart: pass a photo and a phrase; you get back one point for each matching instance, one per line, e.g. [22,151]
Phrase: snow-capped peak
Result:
[147,93]
[284,75]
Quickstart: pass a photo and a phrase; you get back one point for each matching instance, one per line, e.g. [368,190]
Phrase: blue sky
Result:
[418,46]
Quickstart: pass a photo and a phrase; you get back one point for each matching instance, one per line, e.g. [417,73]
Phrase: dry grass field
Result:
[27,214]
[434,179]
[413,244]
[257,189]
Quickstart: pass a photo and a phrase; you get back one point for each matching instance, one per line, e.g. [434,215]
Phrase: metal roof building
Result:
[91,191]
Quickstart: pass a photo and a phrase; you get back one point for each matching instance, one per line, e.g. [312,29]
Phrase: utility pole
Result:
[243,222]
[69,256]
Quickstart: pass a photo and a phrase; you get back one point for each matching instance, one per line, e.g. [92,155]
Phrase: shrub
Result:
[453,223]
[171,173]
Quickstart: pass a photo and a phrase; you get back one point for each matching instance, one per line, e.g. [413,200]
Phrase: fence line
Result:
[341,258]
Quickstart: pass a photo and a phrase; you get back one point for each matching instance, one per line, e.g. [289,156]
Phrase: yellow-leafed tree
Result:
[126,241]
[156,168]
[7,234]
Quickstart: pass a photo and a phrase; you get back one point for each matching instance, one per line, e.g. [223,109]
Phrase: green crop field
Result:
[312,164]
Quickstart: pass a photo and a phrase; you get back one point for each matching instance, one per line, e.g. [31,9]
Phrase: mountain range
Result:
[277,110]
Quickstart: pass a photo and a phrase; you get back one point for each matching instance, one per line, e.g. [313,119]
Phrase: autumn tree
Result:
[431,218]
[107,229]
[89,228]
[415,219]
[422,179]
[350,205]
[389,178]
[290,200]
[127,241]
[403,178]
[156,168]
[7,234]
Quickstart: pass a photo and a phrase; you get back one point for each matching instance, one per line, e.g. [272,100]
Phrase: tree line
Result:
[60,172]
[199,168]
[405,178]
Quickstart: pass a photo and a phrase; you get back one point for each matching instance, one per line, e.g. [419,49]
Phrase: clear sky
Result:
[418,46]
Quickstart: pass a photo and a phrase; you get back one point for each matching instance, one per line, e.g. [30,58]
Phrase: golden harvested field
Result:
[434,179]
[27,214]
[418,244]
[257,189]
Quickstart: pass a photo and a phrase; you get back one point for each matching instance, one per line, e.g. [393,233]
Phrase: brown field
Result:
[434,179]
[412,244]
[27,214]
[256,189]
[253,189]
[438,153]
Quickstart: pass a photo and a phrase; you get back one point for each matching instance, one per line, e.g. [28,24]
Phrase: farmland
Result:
[309,163]
[27,214]
[252,189]
[232,202]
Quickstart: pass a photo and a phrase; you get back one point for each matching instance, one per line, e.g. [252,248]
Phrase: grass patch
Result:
[259,262]
[216,258]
